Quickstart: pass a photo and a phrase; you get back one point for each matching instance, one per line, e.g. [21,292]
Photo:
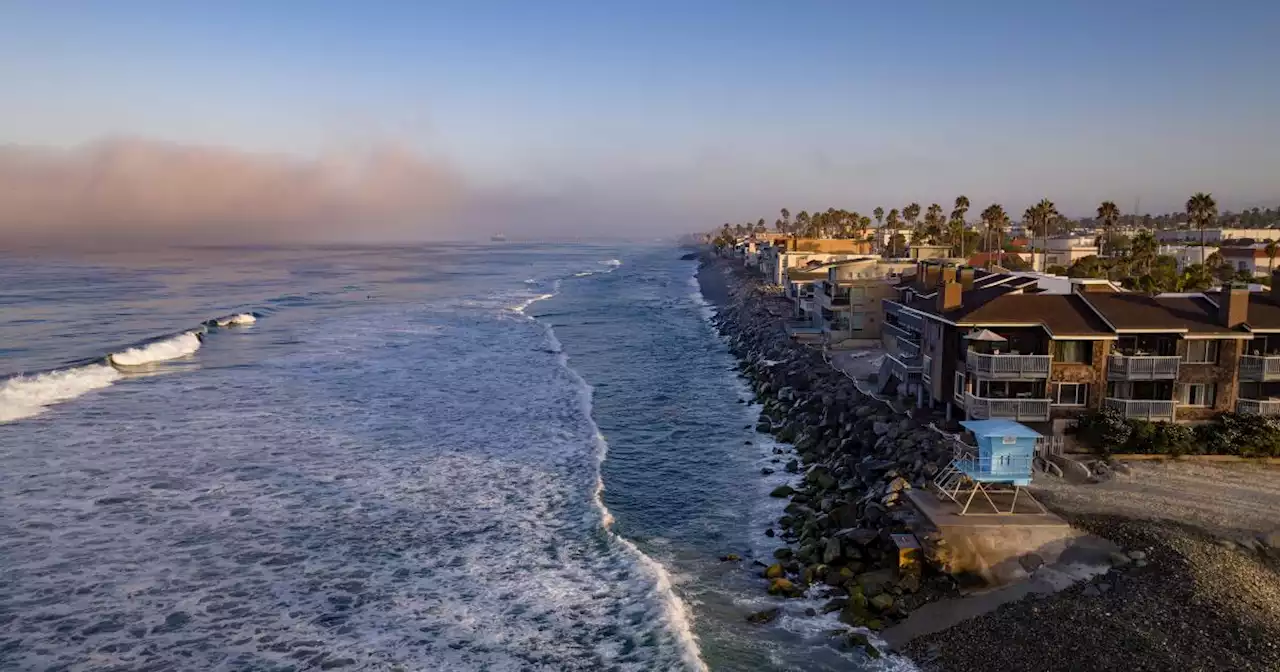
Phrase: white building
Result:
[1186,255]
[1214,236]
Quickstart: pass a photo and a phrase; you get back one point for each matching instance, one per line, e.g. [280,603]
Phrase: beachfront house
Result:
[849,299]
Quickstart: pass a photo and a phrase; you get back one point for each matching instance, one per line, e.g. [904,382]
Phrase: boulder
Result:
[881,602]
[766,616]
[732,557]
[782,491]
[831,552]
[876,582]
[784,587]
[783,553]
[898,484]
[774,571]
[792,466]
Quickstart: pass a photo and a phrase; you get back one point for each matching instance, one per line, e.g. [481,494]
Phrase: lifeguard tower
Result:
[991,478]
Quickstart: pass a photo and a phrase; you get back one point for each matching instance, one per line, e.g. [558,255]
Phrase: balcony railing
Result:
[1144,409]
[986,408]
[1258,406]
[1008,367]
[1142,367]
[906,319]
[1260,368]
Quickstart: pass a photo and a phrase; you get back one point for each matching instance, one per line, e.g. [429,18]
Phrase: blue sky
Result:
[689,111]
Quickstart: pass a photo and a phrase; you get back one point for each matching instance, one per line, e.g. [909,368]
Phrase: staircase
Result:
[885,378]
[950,480]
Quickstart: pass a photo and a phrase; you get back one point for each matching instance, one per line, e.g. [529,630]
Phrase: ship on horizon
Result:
[498,238]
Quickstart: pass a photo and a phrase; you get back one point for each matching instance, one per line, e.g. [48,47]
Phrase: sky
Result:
[622,118]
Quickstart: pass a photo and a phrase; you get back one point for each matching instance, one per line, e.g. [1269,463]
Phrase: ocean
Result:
[443,457]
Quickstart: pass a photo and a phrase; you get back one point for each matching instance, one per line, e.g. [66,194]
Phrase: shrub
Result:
[1106,430]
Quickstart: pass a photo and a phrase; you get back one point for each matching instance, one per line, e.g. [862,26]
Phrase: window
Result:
[857,292]
[959,391]
[1072,394]
[1077,352]
[1201,352]
[1198,394]
[857,321]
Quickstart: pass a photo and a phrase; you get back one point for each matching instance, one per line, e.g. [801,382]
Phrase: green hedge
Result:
[1108,431]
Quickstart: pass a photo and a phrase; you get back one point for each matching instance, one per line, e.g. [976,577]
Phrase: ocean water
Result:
[449,457]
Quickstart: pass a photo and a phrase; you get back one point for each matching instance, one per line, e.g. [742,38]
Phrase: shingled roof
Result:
[1140,312]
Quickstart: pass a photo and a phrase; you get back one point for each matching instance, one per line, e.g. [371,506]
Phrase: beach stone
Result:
[899,484]
[1119,560]
[782,491]
[769,532]
[881,602]
[792,466]
[765,616]
[783,553]
[1137,555]
[875,582]
[774,571]
[765,471]
[732,557]
[831,552]
[1031,562]
[781,586]
[764,427]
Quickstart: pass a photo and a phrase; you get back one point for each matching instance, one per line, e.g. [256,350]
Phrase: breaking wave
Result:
[611,262]
[174,347]
[236,320]
[26,396]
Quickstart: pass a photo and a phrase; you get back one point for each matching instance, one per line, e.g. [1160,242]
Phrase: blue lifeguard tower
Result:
[998,468]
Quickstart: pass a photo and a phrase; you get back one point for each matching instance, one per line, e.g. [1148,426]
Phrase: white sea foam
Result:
[583,274]
[679,618]
[236,320]
[182,345]
[26,396]
[612,262]
[524,305]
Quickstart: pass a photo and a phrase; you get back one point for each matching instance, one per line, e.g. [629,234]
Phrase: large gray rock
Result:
[831,553]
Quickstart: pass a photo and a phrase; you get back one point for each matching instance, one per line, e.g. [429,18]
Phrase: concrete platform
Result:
[1017,555]
[999,548]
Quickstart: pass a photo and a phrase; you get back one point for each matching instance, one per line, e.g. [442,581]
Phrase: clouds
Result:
[130,191]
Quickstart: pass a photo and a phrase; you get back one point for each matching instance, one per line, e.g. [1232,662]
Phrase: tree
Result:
[760,227]
[956,225]
[897,242]
[892,222]
[1108,214]
[879,213]
[1037,217]
[1056,269]
[932,230]
[1201,211]
[911,213]
[786,221]
[1142,252]
[996,221]
[802,222]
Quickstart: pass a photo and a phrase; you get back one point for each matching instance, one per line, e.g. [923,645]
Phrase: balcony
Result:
[1023,410]
[1142,367]
[1007,367]
[1260,368]
[907,319]
[1143,409]
[1258,406]
[926,368]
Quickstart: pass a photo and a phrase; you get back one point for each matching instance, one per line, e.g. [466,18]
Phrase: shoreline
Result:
[1190,602]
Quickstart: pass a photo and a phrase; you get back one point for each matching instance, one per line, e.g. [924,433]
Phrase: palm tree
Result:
[1143,251]
[891,221]
[1202,211]
[879,213]
[932,223]
[1272,250]
[1108,214]
[1038,217]
[864,224]
[786,221]
[996,220]
[956,227]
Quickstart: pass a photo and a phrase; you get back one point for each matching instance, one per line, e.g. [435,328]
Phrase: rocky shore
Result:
[854,458]
[1180,599]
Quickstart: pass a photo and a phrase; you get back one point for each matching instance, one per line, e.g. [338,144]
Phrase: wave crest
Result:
[26,396]
[236,320]
[182,345]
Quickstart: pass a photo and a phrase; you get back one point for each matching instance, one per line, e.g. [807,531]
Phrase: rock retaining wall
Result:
[854,457]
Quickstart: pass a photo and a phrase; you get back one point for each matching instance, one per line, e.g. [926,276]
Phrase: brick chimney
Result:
[950,296]
[930,275]
[1233,306]
[965,277]
[948,275]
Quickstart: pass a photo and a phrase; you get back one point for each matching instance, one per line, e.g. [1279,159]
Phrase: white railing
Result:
[1142,367]
[1008,366]
[1145,409]
[1258,406]
[986,408]
[1260,367]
